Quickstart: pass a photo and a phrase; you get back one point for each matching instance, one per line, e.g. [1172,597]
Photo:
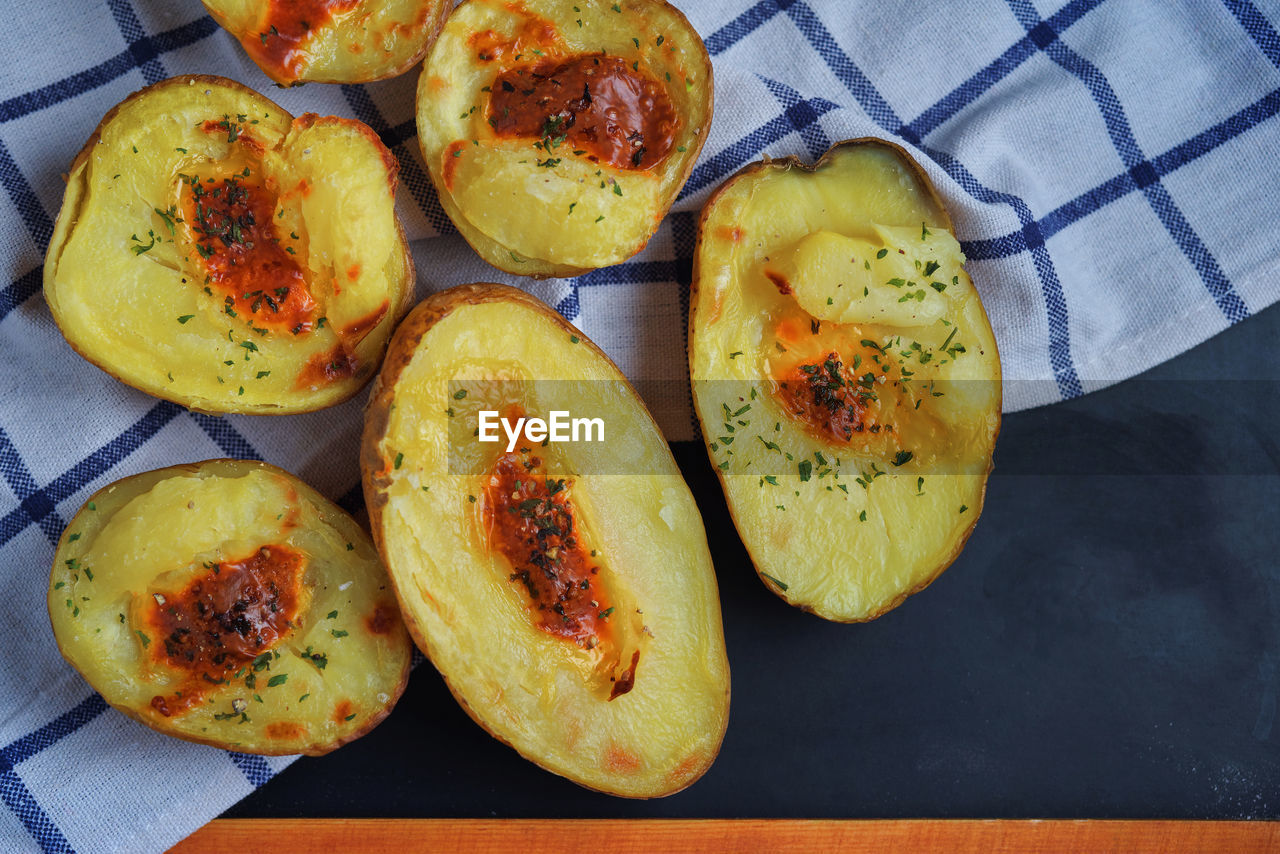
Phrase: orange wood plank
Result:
[768,836]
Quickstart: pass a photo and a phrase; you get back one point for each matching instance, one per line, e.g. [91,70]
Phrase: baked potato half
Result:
[558,134]
[217,252]
[228,603]
[331,41]
[563,589]
[845,375]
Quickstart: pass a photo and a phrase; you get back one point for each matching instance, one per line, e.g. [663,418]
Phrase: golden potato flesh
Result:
[564,590]
[331,41]
[228,603]
[217,252]
[558,134]
[845,375]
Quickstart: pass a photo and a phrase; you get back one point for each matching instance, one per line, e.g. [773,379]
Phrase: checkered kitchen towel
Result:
[1111,165]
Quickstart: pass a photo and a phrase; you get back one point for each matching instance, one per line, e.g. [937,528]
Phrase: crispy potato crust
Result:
[259,621]
[214,251]
[572,708]
[896,498]
[332,41]
[529,172]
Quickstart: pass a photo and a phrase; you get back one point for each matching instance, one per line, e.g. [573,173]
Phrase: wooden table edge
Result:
[955,836]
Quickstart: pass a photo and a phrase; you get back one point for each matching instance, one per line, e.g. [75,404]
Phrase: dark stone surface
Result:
[1106,646]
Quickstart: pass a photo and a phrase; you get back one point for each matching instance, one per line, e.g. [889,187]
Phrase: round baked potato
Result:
[562,588]
[845,375]
[214,251]
[558,134]
[331,41]
[228,603]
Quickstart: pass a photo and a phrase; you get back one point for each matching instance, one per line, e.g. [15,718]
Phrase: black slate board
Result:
[1106,646]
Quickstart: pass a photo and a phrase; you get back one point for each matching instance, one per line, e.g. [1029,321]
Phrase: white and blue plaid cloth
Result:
[1111,165]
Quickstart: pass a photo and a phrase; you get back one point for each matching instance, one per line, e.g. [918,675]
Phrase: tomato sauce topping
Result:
[223,620]
[828,396]
[285,28]
[531,522]
[231,222]
[597,104]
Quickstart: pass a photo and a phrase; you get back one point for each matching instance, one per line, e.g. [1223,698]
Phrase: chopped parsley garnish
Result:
[141,247]
[169,217]
[232,129]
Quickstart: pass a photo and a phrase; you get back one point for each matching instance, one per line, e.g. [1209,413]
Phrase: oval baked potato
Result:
[563,590]
[558,134]
[214,251]
[845,375]
[228,603]
[331,41]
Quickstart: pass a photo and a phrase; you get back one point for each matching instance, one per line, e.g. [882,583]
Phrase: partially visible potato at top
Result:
[558,134]
[331,41]
[845,375]
[217,252]
[228,603]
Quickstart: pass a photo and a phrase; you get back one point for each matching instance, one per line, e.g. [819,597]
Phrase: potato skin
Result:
[154,110]
[450,74]
[760,552]
[378,476]
[385,662]
[377,40]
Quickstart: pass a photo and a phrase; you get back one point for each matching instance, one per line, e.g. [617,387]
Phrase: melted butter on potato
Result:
[558,135]
[620,685]
[845,375]
[228,603]
[215,251]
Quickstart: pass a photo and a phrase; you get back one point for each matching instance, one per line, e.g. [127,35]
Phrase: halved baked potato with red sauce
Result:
[563,589]
[331,41]
[217,252]
[558,134]
[228,603]
[845,375]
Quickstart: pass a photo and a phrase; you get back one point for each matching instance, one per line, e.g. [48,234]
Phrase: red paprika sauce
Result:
[223,620]
[828,396]
[285,28]
[531,522]
[230,220]
[593,103]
